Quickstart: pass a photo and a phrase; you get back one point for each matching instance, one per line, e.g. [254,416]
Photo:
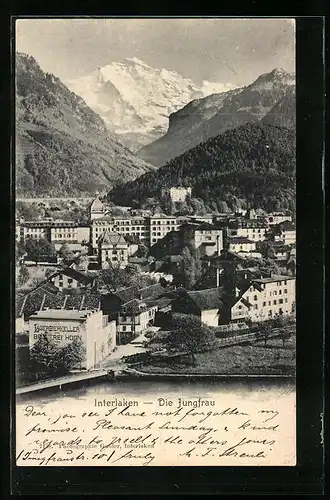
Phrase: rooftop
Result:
[209,298]
[239,239]
[112,238]
[63,314]
[274,278]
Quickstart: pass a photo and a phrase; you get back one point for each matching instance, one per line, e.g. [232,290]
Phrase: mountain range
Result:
[135,99]
[62,146]
[271,98]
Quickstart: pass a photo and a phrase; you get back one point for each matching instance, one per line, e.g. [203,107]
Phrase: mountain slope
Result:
[254,163]
[135,99]
[215,114]
[283,114]
[62,146]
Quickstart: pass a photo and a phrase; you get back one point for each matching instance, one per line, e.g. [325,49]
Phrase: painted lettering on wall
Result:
[56,328]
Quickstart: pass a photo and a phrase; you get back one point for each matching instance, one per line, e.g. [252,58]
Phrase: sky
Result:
[229,51]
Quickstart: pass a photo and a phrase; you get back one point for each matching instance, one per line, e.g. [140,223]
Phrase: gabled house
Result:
[70,277]
[265,298]
[113,248]
[210,305]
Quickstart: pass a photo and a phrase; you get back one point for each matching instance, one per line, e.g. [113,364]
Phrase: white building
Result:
[265,298]
[64,326]
[97,209]
[254,230]
[239,244]
[278,217]
[134,318]
[68,232]
[113,248]
[177,194]
[160,226]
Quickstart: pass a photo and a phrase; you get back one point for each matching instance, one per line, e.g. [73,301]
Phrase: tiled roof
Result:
[112,238]
[207,299]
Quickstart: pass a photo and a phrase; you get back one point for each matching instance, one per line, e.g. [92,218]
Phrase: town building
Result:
[134,308]
[284,232]
[208,238]
[265,298]
[255,230]
[160,226]
[137,227]
[112,249]
[70,277]
[62,326]
[239,244]
[97,209]
[38,229]
[68,232]
[275,218]
[177,194]
[210,305]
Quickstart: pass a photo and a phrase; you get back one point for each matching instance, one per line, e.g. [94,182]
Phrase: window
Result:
[275,292]
[70,280]
[280,301]
[275,302]
[124,328]
[239,307]
[264,304]
[255,297]
[285,290]
[256,306]
[270,313]
[286,301]
[280,292]
[285,282]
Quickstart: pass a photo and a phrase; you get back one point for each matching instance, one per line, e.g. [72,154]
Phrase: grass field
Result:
[254,359]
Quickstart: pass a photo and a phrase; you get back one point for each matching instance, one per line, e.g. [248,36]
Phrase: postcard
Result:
[155,170]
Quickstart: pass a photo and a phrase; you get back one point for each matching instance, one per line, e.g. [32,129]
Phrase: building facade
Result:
[265,298]
[255,230]
[97,334]
[113,249]
[239,244]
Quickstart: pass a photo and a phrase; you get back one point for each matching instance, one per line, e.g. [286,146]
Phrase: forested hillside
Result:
[254,164]
[62,146]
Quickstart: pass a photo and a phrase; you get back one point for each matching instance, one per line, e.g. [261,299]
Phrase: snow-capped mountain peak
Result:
[135,100]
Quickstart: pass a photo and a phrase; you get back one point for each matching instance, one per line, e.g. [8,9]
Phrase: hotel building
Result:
[64,326]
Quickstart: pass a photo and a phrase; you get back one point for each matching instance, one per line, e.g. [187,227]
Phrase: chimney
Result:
[218,277]
[218,245]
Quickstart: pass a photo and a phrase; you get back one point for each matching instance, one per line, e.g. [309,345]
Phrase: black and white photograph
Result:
[155,238]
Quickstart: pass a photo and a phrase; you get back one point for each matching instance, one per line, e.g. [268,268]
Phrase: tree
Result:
[189,334]
[49,360]
[20,251]
[23,275]
[282,323]
[69,356]
[65,253]
[39,249]
[43,357]
[264,332]
[192,267]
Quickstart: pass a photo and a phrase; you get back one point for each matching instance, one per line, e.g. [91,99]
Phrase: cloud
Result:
[209,88]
